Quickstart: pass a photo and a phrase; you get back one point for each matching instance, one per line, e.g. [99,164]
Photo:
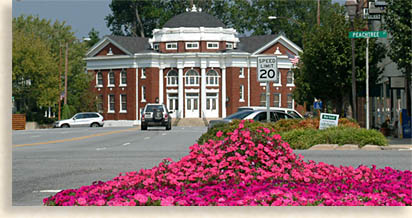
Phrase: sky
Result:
[81,15]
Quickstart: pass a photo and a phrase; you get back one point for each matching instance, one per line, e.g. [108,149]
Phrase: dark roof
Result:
[194,19]
[132,44]
[252,43]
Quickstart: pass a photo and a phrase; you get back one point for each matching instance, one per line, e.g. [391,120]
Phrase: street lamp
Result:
[351,7]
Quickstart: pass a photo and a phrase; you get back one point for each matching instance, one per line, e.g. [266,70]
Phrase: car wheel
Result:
[144,127]
[65,126]
[169,126]
[95,125]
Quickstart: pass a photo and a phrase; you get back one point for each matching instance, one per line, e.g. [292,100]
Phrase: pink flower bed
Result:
[246,168]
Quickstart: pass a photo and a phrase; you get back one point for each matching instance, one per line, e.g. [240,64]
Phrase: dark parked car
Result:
[156,115]
[257,115]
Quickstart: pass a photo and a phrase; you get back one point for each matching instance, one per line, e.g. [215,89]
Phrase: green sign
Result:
[368,34]
[329,117]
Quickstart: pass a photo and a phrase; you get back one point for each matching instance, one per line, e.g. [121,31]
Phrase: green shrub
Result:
[66,112]
[306,135]
[306,138]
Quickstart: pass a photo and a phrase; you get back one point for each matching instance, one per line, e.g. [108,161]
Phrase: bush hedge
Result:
[303,134]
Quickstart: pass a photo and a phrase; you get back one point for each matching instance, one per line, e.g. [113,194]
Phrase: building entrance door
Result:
[173,104]
[192,105]
[212,105]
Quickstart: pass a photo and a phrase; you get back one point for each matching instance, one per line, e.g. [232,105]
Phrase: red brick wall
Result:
[129,90]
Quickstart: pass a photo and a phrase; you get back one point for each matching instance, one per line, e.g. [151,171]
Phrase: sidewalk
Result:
[398,143]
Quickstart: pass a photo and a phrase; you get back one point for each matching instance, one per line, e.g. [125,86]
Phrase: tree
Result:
[140,17]
[35,70]
[325,69]
[94,38]
[398,23]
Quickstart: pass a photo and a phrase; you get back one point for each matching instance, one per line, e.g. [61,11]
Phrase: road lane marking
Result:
[405,149]
[77,138]
[128,143]
[99,149]
[146,138]
[47,191]
[35,136]
[164,133]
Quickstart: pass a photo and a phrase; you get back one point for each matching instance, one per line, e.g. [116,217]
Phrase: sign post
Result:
[367,35]
[267,72]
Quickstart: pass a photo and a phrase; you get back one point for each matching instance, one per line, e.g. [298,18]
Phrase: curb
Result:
[347,147]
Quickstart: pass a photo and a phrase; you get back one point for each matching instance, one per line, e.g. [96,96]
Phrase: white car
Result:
[289,111]
[257,115]
[84,119]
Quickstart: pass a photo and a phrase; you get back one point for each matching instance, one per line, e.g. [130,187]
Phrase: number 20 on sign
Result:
[267,68]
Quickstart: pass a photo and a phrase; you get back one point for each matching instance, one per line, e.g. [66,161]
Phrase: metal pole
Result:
[354,112]
[367,83]
[267,102]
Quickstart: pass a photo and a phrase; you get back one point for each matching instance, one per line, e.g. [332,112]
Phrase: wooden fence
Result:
[19,122]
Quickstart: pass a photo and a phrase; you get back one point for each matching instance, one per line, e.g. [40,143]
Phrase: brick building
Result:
[194,65]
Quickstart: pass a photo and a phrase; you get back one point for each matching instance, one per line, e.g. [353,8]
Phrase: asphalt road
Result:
[49,160]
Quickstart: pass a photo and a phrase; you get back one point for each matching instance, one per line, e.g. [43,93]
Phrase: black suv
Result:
[156,115]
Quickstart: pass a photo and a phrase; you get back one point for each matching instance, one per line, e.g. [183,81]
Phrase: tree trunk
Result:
[139,22]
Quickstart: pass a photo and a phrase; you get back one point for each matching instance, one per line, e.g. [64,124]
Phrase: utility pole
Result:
[65,72]
[60,79]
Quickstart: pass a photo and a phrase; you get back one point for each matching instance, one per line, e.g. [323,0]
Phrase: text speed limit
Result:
[267,69]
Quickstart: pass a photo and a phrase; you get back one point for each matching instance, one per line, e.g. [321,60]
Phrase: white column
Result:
[180,93]
[137,97]
[203,90]
[161,85]
[248,82]
[224,92]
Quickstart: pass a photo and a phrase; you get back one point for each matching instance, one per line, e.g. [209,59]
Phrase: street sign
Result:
[267,68]
[317,105]
[328,120]
[368,34]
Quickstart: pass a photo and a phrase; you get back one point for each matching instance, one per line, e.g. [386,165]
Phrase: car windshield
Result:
[293,114]
[239,115]
[151,108]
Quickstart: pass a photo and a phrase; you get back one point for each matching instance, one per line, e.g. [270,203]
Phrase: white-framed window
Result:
[213,45]
[242,93]
[123,78]
[143,73]
[263,99]
[290,101]
[143,93]
[242,72]
[192,45]
[99,79]
[171,46]
[278,80]
[172,78]
[156,46]
[123,103]
[110,80]
[192,78]
[277,99]
[212,78]
[229,45]
[289,78]
[110,108]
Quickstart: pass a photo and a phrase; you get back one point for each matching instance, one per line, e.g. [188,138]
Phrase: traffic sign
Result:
[267,68]
[368,34]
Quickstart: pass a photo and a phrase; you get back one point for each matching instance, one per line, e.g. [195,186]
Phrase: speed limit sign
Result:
[267,69]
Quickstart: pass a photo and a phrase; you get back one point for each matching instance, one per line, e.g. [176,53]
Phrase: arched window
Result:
[192,77]
[172,78]
[212,78]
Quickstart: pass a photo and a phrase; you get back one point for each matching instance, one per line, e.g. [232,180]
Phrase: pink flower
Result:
[142,199]
[167,201]
[219,133]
